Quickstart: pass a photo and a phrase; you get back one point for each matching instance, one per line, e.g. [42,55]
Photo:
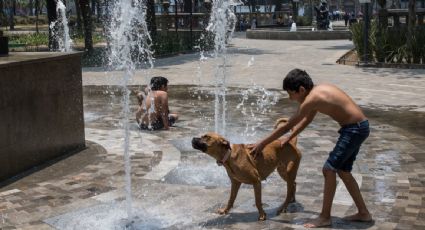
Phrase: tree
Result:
[87,22]
[411,28]
[150,17]
[2,16]
[12,13]
[98,10]
[31,7]
[79,21]
[278,5]
[294,10]
[37,5]
[52,17]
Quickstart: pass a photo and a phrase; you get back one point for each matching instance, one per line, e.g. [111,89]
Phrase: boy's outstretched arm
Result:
[258,147]
[299,127]
[306,110]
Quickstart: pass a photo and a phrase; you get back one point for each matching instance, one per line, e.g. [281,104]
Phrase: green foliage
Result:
[416,49]
[30,39]
[30,20]
[172,42]
[303,21]
[97,38]
[395,44]
[358,39]
[390,45]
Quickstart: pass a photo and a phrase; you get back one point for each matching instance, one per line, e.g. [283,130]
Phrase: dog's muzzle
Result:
[197,143]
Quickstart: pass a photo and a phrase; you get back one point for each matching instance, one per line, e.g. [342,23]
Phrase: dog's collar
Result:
[226,156]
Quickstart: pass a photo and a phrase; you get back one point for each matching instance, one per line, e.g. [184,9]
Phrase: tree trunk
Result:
[41,5]
[93,7]
[150,18]
[52,17]
[294,11]
[37,4]
[14,7]
[253,5]
[411,29]
[12,12]
[2,16]
[278,5]
[187,6]
[87,22]
[79,21]
[99,10]
[31,7]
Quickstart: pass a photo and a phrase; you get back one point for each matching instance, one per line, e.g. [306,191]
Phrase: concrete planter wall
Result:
[41,109]
[297,35]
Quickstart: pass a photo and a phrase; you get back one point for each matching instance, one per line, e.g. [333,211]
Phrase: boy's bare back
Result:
[159,109]
[332,101]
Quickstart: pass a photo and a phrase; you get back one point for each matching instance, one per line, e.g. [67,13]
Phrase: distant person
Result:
[254,23]
[346,18]
[153,112]
[352,19]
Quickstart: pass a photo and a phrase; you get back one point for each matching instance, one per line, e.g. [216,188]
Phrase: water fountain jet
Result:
[129,46]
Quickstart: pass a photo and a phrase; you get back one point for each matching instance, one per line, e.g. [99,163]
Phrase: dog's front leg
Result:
[233,193]
[257,191]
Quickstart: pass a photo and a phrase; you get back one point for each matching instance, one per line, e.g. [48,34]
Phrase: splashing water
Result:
[261,102]
[62,32]
[222,25]
[293,27]
[129,47]
[251,61]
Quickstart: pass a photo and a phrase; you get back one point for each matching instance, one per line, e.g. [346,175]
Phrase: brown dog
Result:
[241,167]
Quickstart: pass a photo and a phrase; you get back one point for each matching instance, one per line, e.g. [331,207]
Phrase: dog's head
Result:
[212,144]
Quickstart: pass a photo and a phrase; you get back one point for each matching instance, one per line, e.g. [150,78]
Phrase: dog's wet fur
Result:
[241,167]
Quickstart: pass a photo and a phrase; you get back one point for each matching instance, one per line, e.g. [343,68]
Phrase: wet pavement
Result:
[176,187]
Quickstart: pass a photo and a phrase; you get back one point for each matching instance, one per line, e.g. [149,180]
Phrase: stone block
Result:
[41,109]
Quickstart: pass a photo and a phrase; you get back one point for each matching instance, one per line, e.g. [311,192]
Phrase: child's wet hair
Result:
[297,78]
[158,82]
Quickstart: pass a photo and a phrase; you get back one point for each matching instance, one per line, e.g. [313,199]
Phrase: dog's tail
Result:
[282,121]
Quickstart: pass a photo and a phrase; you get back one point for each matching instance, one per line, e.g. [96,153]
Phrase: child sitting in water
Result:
[153,112]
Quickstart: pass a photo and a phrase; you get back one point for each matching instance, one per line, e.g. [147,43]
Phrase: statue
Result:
[322,16]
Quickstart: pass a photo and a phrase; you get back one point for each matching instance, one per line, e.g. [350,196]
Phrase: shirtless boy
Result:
[153,112]
[332,101]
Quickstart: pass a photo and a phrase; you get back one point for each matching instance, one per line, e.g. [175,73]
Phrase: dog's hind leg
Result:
[233,193]
[258,203]
[290,186]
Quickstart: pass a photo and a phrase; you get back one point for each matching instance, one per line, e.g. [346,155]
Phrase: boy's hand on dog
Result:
[256,149]
[283,140]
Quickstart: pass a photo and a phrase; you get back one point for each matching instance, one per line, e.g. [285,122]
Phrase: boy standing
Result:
[153,112]
[332,101]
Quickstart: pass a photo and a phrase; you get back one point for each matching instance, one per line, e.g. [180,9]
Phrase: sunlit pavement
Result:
[175,187]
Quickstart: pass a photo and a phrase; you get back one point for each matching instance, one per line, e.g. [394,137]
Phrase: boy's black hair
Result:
[296,78]
[158,82]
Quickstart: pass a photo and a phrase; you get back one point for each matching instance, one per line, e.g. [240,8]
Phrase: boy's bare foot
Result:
[361,217]
[318,223]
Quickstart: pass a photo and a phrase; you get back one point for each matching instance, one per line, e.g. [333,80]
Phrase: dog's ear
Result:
[226,143]
[281,121]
